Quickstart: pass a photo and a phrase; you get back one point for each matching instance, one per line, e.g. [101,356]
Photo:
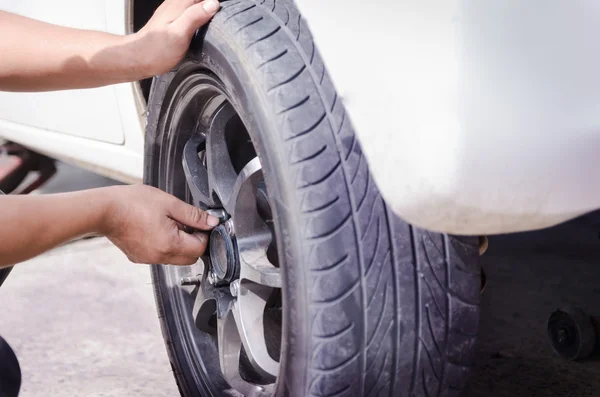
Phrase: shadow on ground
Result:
[529,276]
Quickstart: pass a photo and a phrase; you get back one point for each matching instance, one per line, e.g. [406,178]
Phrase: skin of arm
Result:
[38,56]
[144,222]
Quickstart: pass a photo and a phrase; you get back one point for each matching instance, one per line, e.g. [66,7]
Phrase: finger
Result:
[192,245]
[178,6]
[181,261]
[191,216]
[170,10]
[195,16]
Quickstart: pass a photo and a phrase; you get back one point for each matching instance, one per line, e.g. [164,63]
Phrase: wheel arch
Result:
[492,129]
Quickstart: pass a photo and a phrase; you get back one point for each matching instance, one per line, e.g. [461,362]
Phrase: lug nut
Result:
[229,227]
[234,288]
[218,212]
[211,278]
[196,280]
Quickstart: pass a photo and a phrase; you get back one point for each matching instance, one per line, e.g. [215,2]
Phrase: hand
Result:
[165,39]
[145,223]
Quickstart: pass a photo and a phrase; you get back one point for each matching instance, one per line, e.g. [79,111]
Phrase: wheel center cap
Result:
[223,254]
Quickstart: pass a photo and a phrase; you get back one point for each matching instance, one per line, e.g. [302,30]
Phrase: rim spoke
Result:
[221,173]
[256,267]
[253,235]
[230,349]
[250,229]
[244,190]
[210,300]
[195,172]
[248,311]
[204,308]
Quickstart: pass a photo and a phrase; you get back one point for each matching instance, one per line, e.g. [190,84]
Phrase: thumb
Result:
[192,216]
[196,16]
[192,245]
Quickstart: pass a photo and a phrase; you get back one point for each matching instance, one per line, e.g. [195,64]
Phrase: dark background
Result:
[529,276]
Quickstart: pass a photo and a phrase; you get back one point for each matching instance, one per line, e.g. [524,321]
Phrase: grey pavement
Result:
[82,320]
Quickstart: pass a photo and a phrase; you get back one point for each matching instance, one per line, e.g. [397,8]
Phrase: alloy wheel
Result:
[236,290]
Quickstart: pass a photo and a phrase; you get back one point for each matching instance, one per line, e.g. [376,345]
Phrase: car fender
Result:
[475,117]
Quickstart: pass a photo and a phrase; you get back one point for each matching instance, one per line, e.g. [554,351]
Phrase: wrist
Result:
[108,208]
[142,64]
[124,59]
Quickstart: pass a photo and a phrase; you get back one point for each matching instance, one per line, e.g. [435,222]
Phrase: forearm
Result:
[38,56]
[31,225]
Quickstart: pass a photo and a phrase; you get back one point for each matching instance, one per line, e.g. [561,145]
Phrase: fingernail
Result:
[211,6]
[212,220]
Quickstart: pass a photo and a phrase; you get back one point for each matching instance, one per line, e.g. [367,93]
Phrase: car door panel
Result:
[90,113]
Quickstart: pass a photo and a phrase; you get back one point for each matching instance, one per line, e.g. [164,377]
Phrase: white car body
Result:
[475,117]
[101,129]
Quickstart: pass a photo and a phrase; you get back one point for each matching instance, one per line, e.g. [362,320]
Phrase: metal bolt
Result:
[234,288]
[195,280]
[218,212]
[229,227]
[212,279]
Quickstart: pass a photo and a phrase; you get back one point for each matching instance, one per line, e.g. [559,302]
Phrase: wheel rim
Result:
[235,299]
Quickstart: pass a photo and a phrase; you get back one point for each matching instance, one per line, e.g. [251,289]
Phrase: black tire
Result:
[372,306]
[6,271]
[572,333]
[4,274]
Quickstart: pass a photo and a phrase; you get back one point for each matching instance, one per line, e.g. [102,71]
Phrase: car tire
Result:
[4,274]
[371,305]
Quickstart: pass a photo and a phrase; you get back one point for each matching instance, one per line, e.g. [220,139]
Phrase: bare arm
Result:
[38,56]
[142,221]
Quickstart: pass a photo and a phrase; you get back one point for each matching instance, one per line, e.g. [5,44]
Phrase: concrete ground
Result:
[82,320]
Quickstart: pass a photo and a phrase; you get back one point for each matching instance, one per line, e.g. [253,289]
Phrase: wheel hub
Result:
[224,259]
